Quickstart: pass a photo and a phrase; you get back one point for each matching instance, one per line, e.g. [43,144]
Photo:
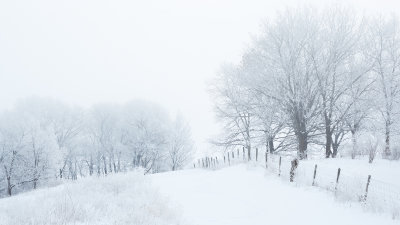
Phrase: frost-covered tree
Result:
[145,130]
[385,53]
[12,142]
[308,78]
[233,106]
[284,46]
[338,65]
[180,147]
[42,140]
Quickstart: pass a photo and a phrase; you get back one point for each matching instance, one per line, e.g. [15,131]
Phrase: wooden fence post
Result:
[337,179]
[294,164]
[315,174]
[256,154]
[366,188]
[280,162]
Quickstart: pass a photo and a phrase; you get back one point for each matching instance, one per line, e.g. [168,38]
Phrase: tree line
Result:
[315,80]
[44,140]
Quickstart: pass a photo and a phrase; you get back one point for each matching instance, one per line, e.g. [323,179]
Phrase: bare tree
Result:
[334,55]
[12,137]
[285,46]
[180,144]
[233,106]
[385,53]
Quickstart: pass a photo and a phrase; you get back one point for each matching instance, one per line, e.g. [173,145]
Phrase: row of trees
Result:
[314,78]
[43,140]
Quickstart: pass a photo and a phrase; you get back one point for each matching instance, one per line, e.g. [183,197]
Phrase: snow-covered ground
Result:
[239,194]
[248,194]
[127,198]
[383,190]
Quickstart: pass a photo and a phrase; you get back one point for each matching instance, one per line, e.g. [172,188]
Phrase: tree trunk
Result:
[328,144]
[34,184]
[91,166]
[271,145]
[105,165]
[302,145]
[335,147]
[249,152]
[387,152]
[9,187]
[354,141]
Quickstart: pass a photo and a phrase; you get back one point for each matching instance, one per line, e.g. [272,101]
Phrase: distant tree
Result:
[12,142]
[180,148]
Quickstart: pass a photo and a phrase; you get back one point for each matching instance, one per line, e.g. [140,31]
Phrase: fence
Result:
[374,195]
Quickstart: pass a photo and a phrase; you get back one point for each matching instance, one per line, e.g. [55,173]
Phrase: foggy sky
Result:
[84,52]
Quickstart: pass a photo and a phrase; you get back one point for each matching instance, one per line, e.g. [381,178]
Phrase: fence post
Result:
[366,188]
[256,154]
[315,174]
[280,162]
[337,179]
[294,164]
[229,160]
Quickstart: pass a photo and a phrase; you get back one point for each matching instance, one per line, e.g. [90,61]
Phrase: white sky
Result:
[84,52]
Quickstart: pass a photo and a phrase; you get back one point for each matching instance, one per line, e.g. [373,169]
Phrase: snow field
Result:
[383,192]
[247,194]
[126,198]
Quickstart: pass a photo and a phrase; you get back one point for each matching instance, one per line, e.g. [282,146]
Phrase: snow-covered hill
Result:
[248,194]
[240,194]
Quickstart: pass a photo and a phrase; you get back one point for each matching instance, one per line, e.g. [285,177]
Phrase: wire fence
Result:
[374,195]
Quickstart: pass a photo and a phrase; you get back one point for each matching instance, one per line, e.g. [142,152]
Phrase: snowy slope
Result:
[244,194]
[117,199]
